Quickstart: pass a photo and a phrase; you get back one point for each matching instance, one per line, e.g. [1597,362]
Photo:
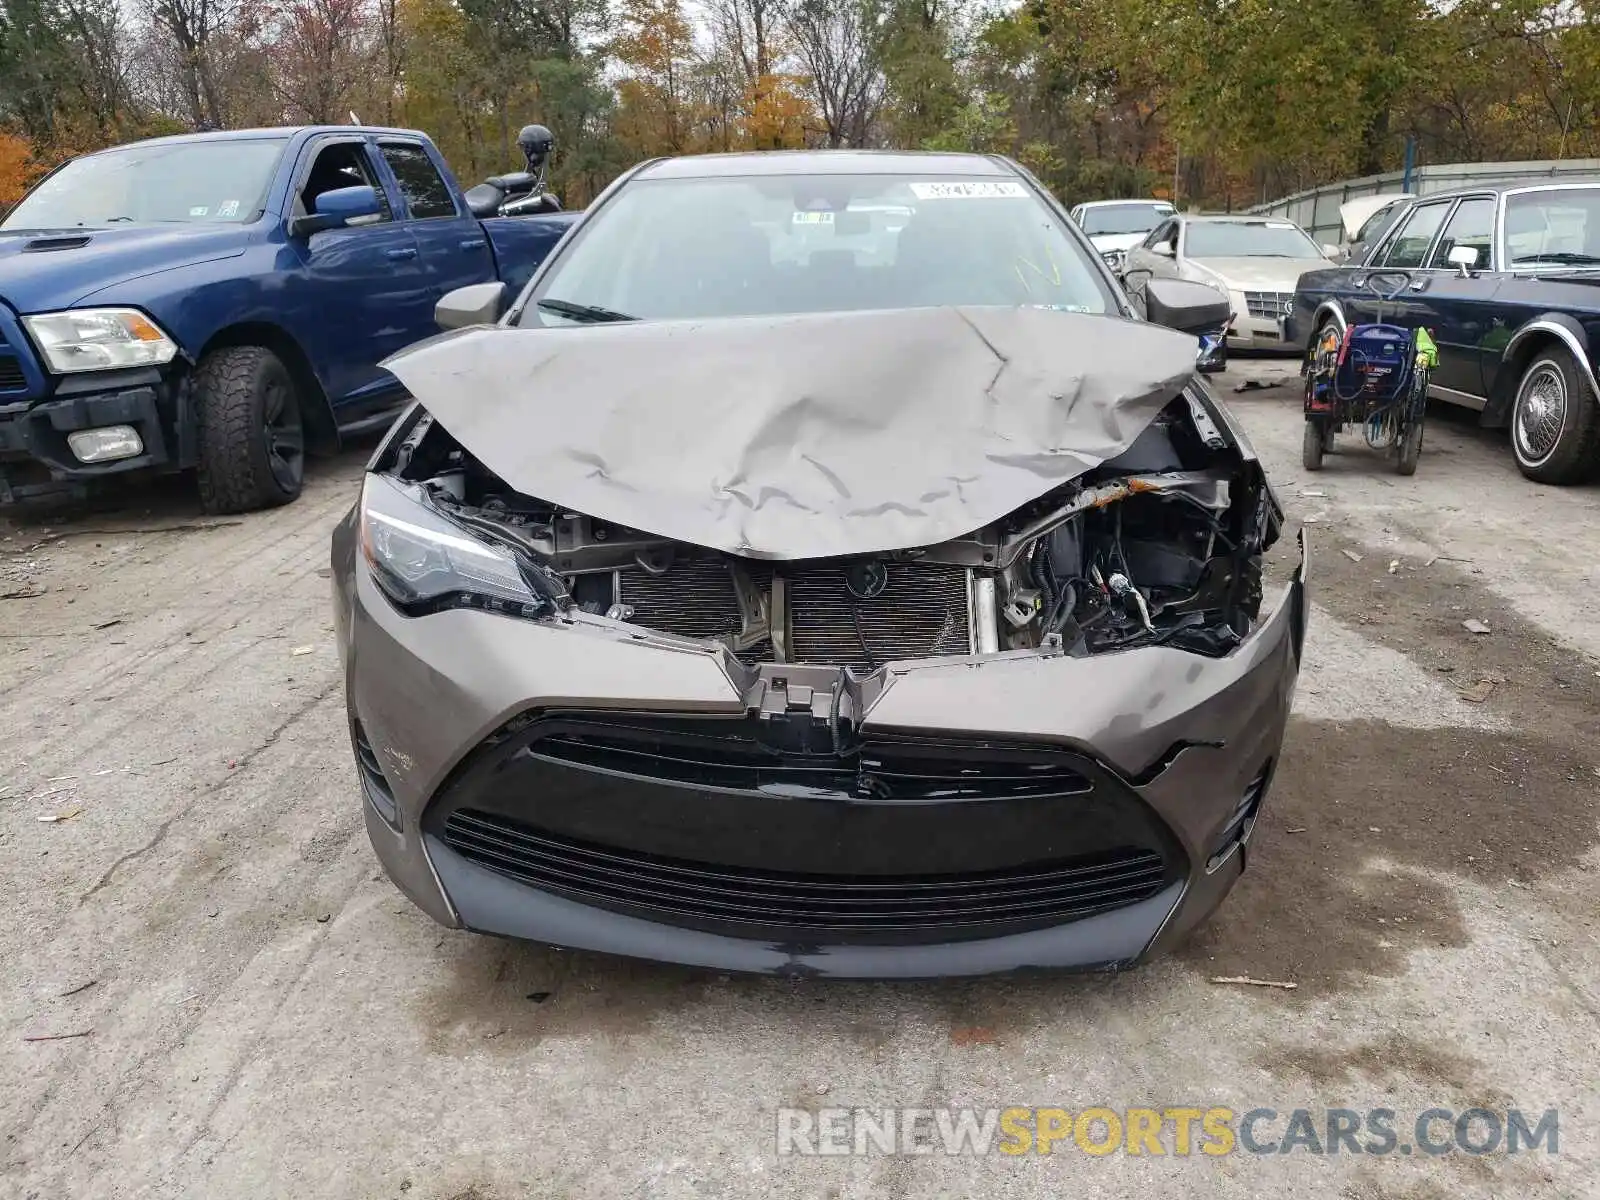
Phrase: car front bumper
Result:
[36,459]
[483,813]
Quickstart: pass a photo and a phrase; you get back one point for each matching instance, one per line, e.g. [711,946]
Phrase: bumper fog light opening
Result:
[106,444]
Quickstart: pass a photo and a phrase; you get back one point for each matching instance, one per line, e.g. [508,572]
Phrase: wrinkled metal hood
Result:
[802,436]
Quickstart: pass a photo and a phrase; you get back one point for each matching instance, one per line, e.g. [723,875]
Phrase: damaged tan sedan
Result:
[822,568]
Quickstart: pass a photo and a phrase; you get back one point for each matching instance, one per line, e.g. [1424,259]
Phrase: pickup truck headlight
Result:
[424,562]
[99,339]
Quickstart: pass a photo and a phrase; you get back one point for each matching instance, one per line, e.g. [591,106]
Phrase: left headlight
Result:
[425,562]
[99,339]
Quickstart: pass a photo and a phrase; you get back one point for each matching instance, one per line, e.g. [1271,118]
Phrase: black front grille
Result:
[11,377]
[799,757]
[923,610]
[793,822]
[703,892]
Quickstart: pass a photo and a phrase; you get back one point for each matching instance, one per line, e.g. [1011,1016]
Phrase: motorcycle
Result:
[520,193]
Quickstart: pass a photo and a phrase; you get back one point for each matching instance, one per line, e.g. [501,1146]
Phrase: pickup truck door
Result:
[453,245]
[359,294]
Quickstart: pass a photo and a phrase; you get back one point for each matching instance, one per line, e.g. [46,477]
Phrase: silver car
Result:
[897,612]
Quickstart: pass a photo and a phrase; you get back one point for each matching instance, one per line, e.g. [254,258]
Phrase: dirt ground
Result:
[263,1015]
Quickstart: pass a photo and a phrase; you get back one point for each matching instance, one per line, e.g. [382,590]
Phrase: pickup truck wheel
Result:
[1555,421]
[252,441]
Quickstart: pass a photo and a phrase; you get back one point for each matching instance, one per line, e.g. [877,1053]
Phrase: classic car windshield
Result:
[221,180]
[1123,218]
[754,245]
[1248,239]
[1560,227]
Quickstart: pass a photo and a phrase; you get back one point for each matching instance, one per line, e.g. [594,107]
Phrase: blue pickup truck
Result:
[221,302]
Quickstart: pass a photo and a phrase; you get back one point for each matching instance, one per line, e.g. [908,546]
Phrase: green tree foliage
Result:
[1227,101]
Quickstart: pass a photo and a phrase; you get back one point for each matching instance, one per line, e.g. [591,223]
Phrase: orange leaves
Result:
[17,169]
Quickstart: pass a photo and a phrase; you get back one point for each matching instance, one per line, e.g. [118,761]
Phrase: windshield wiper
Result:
[588,313]
[1571,258]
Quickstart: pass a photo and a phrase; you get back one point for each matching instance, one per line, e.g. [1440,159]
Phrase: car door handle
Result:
[472,244]
[400,255]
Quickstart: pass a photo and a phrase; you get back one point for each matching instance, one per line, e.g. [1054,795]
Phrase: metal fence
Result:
[1317,211]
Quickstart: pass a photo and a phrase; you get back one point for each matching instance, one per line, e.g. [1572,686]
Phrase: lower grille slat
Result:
[1062,891]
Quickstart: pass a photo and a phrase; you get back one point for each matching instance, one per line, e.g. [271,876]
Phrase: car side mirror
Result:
[1464,258]
[338,208]
[475,304]
[1329,250]
[1166,249]
[1184,305]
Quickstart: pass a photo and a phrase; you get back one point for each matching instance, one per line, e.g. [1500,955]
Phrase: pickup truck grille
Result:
[1268,304]
[13,379]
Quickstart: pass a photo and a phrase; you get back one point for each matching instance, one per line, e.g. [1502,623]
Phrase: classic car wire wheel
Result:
[1541,412]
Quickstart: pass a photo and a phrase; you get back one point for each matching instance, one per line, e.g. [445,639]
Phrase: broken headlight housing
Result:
[425,562]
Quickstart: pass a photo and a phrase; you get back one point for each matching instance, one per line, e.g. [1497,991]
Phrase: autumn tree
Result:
[837,43]
[323,53]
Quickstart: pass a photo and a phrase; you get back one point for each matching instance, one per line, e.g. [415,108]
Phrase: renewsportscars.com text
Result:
[1176,1130]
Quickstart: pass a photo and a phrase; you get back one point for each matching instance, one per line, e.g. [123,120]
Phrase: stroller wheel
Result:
[1311,449]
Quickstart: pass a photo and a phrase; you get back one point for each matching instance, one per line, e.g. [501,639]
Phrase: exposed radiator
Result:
[925,609]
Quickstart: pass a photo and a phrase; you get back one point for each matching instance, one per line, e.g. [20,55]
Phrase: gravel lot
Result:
[270,1018]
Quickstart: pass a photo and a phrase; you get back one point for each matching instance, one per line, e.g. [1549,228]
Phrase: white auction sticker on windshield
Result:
[971,189]
[813,218]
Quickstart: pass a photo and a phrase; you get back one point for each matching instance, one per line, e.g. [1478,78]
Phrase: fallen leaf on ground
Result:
[973,1035]
[299,650]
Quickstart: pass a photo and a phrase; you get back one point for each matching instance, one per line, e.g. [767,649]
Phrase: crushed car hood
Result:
[802,436]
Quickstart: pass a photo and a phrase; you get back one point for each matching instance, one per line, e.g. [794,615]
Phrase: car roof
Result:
[1236,219]
[827,162]
[1513,185]
[278,132]
[1130,200]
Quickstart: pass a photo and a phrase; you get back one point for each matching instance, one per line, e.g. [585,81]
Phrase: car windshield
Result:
[1559,227]
[1123,218]
[1248,239]
[151,184]
[764,244]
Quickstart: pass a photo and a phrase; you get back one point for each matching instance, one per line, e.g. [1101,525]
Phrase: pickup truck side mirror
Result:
[1464,258]
[475,304]
[1184,305]
[338,208]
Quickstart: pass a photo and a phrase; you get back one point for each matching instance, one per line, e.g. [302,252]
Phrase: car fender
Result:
[233,301]
[1328,308]
[1546,328]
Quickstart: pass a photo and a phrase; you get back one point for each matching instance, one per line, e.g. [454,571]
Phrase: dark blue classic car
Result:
[1507,280]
